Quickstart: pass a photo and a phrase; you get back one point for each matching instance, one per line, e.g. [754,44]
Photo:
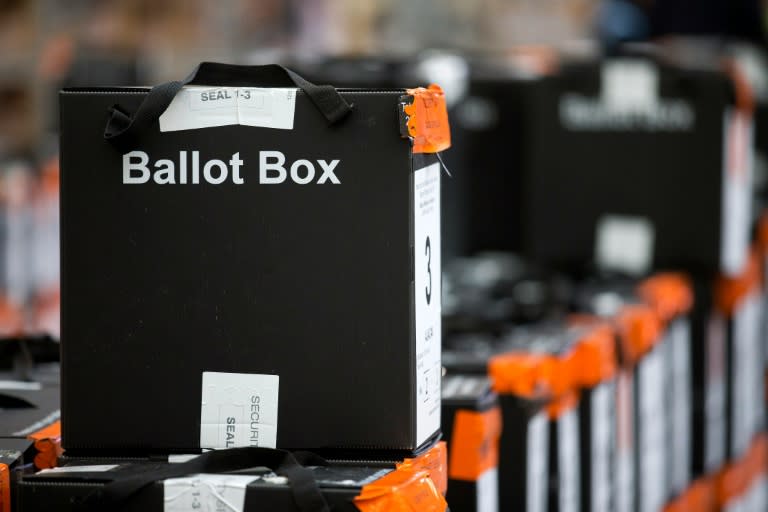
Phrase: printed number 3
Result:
[428,253]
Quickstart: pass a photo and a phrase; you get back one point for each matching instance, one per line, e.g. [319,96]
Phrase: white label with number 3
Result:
[427,275]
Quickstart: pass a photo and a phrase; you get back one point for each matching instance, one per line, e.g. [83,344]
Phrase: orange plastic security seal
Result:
[562,405]
[427,120]
[530,375]
[434,462]
[402,490]
[48,445]
[699,497]
[594,358]
[737,477]
[669,294]
[5,488]
[730,291]
[475,444]
[639,330]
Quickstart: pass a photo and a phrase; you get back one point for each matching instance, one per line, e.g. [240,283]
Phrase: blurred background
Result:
[46,44]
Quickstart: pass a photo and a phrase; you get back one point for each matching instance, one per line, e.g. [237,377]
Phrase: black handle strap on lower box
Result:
[303,486]
[123,125]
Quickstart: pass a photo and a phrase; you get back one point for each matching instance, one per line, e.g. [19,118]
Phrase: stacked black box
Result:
[471,425]
[669,345]
[275,245]
[671,296]
[489,292]
[564,453]
[639,328]
[595,369]
[537,365]
[641,463]
[524,443]
[739,300]
[16,456]
[493,121]
[263,483]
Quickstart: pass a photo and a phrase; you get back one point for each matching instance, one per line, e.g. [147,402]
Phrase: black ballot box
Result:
[237,479]
[596,377]
[536,370]
[16,456]
[634,152]
[245,254]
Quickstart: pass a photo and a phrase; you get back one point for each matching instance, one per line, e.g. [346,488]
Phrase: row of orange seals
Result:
[590,360]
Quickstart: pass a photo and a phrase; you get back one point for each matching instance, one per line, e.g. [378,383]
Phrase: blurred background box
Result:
[627,134]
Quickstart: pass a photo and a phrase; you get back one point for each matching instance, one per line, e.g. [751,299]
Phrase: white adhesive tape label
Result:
[206,493]
[238,409]
[100,468]
[197,107]
[624,243]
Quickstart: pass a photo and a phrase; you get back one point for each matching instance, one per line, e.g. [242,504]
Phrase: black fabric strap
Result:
[306,494]
[123,125]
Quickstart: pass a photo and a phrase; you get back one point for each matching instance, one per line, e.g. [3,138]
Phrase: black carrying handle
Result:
[301,480]
[326,98]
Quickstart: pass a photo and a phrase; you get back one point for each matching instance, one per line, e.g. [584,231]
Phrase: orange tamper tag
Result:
[427,120]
